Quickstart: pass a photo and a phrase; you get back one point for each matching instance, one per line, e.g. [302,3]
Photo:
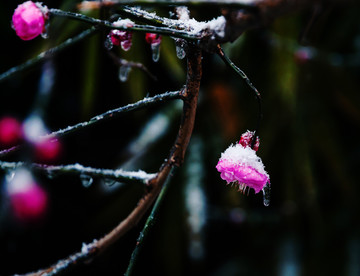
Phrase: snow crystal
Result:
[239,155]
[123,23]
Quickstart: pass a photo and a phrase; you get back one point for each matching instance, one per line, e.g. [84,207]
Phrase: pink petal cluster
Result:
[153,39]
[28,20]
[123,38]
[247,138]
[240,165]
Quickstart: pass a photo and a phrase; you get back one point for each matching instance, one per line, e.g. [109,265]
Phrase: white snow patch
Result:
[123,23]
[239,155]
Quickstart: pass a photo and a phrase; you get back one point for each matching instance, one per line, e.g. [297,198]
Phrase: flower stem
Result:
[241,73]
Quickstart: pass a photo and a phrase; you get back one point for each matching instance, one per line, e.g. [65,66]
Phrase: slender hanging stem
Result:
[241,73]
[148,225]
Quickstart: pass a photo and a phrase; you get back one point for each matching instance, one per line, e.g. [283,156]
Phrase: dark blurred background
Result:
[308,76]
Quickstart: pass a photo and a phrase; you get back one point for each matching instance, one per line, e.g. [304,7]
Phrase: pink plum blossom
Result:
[240,165]
[29,19]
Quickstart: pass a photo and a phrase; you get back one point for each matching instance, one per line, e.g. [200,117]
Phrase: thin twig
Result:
[42,56]
[113,113]
[104,116]
[241,73]
[148,224]
[51,171]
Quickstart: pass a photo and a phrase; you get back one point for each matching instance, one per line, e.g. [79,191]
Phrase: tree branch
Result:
[189,96]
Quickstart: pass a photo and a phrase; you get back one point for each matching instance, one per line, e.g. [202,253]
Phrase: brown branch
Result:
[189,96]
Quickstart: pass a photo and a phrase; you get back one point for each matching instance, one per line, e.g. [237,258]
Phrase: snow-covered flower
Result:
[121,38]
[29,20]
[240,165]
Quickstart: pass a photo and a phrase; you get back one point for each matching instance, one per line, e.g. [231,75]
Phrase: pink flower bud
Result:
[27,199]
[122,38]
[153,39]
[29,20]
[47,150]
[10,132]
[246,140]
[240,165]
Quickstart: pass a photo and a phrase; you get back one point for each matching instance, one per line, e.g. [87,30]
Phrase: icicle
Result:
[124,72]
[108,43]
[86,180]
[180,52]
[155,48]
[10,175]
[266,194]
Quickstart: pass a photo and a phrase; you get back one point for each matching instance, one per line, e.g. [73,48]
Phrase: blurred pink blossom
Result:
[10,132]
[47,150]
[27,199]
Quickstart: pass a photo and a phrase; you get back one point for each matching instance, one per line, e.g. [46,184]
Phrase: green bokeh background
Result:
[309,144]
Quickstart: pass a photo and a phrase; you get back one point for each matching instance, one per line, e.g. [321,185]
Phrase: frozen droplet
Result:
[180,52]
[124,72]
[51,174]
[155,48]
[266,194]
[86,180]
[10,175]
[109,182]
[108,43]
